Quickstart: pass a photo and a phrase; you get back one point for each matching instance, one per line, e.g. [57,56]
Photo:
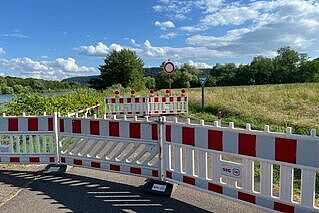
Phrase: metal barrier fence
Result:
[236,163]
[157,105]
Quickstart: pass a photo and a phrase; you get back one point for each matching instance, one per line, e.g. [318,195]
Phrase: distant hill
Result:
[152,72]
[80,79]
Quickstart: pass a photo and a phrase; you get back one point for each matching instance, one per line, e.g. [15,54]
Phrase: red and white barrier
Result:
[27,139]
[125,106]
[230,154]
[158,105]
[124,146]
[214,159]
[167,105]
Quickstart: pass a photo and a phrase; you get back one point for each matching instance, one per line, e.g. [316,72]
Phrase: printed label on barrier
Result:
[4,149]
[230,170]
[158,187]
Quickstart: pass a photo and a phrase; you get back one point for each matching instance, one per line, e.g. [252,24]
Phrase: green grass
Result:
[280,106]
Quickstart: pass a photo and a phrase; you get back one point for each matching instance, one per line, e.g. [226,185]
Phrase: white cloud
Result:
[99,49]
[53,70]
[199,64]
[15,34]
[2,51]
[164,25]
[133,42]
[275,24]
[169,35]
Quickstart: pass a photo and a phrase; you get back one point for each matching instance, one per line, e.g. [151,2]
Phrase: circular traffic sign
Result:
[169,67]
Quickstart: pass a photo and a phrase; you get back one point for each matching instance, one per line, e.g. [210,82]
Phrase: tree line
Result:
[288,66]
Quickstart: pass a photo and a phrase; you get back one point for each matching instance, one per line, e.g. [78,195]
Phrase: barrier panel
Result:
[167,105]
[124,146]
[125,106]
[275,171]
[155,105]
[27,139]
[223,160]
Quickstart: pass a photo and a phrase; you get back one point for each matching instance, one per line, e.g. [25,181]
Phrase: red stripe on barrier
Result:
[77,162]
[62,159]
[13,124]
[52,159]
[156,99]
[14,159]
[76,126]
[34,159]
[154,132]
[171,99]
[179,99]
[114,129]
[215,140]
[169,174]
[185,98]
[50,124]
[215,188]
[94,127]
[61,125]
[189,180]
[247,144]
[115,167]
[154,173]
[285,150]
[135,130]
[246,197]
[129,100]
[283,208]
[156,111]
[171,111]
[168,133]
[129,113]
[135,170]
[163,111]
[121,100]
[95,164]
[32,124]
[137,100]
[113,100]
[163,99]
[188,136]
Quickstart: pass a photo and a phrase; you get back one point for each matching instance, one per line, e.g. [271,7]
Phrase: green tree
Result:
[122,67]
[149,82]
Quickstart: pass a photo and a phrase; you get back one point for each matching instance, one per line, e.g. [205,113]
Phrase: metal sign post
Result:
[202,81]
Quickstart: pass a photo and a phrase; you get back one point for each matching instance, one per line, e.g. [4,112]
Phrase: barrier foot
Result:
[55,169]
[158,187]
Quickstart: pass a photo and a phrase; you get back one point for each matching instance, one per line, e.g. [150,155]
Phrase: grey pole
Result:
[203,100]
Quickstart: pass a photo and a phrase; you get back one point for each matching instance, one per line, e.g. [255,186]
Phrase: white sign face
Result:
[169,67]
[159,188]
[202,80]
[231,170]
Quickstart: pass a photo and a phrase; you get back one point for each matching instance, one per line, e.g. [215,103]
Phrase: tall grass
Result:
[294,105]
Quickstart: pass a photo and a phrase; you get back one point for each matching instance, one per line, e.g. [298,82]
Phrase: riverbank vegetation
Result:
[12,85]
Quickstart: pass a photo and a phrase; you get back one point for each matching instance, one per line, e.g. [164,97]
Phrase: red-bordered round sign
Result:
[169,67]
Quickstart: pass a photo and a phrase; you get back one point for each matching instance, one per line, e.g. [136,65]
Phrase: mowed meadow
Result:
[280,106]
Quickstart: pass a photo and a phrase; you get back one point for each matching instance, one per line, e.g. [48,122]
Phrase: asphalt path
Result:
[29,189]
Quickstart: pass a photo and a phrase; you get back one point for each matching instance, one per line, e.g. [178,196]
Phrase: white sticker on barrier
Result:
[158,187]
[230,170]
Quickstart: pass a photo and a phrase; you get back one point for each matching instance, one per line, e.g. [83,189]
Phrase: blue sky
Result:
[58,39]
